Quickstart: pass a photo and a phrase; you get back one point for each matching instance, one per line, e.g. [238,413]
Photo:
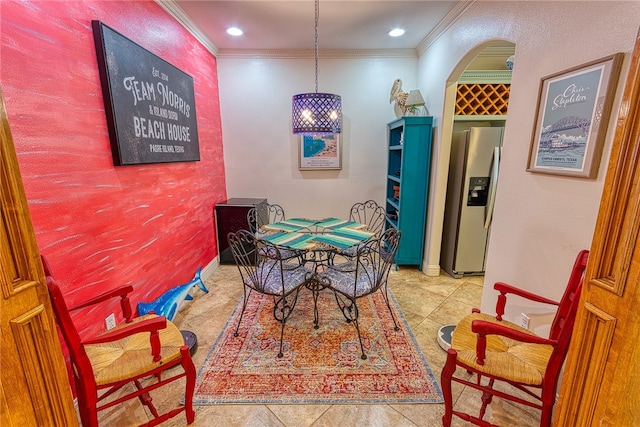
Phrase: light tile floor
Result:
[427,303]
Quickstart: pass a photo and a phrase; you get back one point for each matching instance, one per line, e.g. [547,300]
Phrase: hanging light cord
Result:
[316,41]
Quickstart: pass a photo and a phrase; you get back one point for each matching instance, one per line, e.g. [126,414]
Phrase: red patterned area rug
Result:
[319,365]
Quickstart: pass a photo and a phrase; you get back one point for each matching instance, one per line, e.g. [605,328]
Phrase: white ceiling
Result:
[289,25]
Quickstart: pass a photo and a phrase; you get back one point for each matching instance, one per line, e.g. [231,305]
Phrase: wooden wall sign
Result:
[149,103]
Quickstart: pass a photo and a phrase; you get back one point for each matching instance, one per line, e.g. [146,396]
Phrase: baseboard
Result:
[432,270]
[208,270]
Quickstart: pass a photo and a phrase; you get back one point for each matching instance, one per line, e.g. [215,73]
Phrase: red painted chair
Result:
[136,352]
[499,351]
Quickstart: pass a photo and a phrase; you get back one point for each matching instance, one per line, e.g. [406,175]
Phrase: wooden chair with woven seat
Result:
[137,352]
[499,351]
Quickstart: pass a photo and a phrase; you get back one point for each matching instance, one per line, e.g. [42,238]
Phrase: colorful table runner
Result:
[339,223]
[352,233]
[293,224]
[294,240]
[343,233]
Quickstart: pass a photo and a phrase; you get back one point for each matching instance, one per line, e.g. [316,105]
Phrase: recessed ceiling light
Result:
[396,32]
[234,31]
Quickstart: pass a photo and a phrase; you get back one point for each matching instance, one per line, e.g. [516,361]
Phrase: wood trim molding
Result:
[619,218]
[602,363]
[599,326]
[34,386]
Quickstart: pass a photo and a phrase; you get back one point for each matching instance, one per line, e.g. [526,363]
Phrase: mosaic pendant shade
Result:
[316,113]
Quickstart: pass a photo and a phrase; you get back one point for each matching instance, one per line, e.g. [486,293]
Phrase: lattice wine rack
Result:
[490,99]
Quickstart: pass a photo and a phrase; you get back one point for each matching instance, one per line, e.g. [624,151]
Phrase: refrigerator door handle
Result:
[492,190]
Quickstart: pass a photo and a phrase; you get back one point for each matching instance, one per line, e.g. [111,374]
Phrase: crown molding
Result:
[309,53]
[454,14]
[176,11]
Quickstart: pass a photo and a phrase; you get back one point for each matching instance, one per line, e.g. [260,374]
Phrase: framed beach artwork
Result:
[320,152]
[573,113]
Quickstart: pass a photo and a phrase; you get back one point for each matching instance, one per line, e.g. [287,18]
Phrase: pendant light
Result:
[316,113]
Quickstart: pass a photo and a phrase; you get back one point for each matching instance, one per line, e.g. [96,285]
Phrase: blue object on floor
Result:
[168,303]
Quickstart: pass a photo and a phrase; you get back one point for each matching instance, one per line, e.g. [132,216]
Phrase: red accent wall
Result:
[102,226]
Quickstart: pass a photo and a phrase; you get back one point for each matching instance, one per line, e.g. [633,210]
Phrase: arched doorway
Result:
[487,62]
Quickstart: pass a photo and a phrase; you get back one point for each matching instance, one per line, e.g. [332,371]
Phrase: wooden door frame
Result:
[34,384]
[600,385]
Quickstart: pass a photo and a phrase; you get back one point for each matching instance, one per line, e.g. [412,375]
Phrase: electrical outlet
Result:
[524,321]
[110,321]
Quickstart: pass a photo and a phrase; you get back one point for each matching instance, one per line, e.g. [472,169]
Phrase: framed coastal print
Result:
[573,113]
[320,152]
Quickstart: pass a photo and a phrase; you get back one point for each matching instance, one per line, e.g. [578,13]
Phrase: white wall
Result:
[261,152]
[540,221]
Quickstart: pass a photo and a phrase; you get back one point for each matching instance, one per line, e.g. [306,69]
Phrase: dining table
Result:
[331,235]
[317,242]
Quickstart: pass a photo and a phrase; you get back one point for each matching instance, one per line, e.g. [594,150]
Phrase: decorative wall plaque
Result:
[149,103]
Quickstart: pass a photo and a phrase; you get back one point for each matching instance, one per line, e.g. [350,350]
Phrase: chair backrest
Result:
[562,325]
[258,271]
[252,219]
[79,360]
[375,259]
[264,213]
[369,213]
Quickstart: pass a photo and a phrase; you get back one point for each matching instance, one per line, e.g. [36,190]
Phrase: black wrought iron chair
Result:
[369,213]
[267,275]
[365,274]
[264,214]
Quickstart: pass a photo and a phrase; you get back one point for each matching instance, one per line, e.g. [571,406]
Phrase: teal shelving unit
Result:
[409,160]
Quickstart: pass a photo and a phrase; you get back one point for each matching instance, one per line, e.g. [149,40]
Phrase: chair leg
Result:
[246,295]
[315,285]
[282,310]
[87,403]
[146,400]
[88,416]
[347,306]
[93,418]
[445,381]
[316,315]
[487,397]
[355,322]
[545,418]
[386,299]
[349,310]
[190,375]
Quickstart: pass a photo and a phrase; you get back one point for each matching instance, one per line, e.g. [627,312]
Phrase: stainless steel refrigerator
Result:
[471,189]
